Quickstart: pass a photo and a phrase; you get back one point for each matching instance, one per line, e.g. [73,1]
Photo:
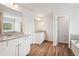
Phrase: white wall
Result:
[28,23]
[45,24]
[74,29]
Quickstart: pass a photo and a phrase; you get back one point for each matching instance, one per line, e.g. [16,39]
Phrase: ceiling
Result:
[45,8]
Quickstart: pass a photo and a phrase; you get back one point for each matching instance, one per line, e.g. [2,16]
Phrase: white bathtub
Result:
[75,47]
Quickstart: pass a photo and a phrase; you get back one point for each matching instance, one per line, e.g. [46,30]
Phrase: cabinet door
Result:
[27,45]
[30,39]
[22,47]
[13,47]
[13,50]
[4,49]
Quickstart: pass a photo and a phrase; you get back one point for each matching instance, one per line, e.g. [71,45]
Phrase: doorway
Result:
[63,29]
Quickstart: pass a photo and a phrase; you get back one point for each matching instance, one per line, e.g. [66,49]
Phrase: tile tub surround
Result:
[15,45]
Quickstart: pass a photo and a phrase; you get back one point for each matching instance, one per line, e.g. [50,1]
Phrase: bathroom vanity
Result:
[13,42]
[15,45]
[15,29]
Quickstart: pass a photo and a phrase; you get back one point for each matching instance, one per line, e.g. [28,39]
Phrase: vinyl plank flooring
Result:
[47,49]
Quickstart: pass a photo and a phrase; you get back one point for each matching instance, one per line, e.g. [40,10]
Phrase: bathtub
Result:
[75,47]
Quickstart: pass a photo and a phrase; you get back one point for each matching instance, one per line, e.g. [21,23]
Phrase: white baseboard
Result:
[62,42]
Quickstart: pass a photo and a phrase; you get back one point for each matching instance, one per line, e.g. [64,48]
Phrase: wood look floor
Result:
[47,49]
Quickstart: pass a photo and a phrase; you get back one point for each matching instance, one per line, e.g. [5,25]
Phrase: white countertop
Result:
[12,36]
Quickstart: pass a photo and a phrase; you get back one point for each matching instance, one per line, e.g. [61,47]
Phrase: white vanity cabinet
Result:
[15,47]
[29,41]
[4,49]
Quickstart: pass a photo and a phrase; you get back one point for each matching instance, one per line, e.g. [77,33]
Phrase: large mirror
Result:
[8,24]
[10,20]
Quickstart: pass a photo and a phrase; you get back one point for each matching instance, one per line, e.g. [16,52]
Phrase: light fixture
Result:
[38,18]
[14,5]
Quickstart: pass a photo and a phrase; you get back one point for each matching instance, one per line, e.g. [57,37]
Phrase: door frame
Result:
[68,28]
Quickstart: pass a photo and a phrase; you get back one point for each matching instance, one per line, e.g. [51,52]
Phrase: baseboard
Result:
[62,43]
[47,41]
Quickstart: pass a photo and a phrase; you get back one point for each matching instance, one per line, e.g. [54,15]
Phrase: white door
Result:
[63,29]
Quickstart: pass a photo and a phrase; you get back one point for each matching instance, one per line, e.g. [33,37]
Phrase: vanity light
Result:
[14,5]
